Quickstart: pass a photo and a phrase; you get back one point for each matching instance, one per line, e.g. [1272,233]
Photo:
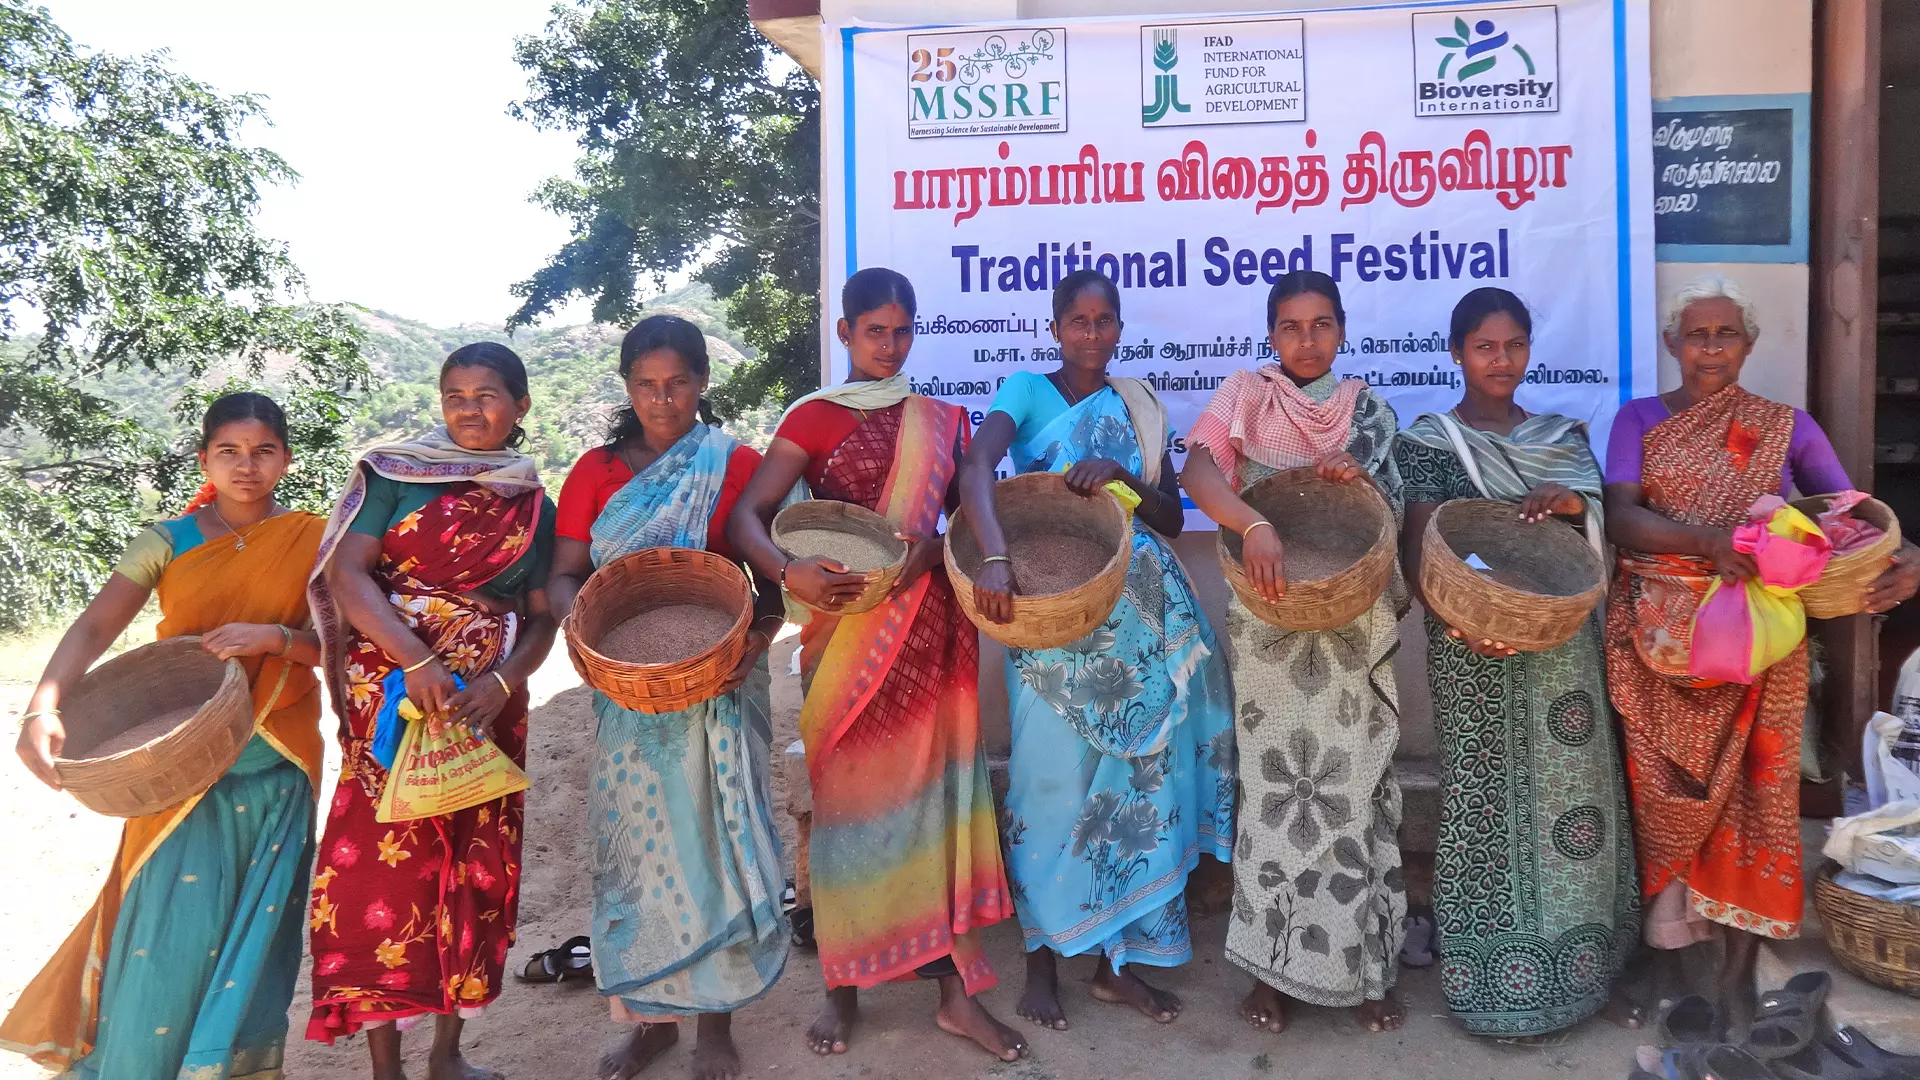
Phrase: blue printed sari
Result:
[1123,749]
[686,871]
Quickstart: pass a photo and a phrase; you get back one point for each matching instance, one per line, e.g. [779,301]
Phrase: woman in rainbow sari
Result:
[1123,753]
[1713,768]
[905,858]
[186,964]
[1318,897]
[679,804]
[1533,887]
[433,567]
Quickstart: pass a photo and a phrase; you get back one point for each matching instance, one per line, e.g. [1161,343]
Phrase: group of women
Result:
[1155,739]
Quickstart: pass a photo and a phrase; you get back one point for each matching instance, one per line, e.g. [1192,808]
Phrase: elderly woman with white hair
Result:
[1713,768]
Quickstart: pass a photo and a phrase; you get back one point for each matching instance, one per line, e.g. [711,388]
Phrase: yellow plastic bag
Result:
[433,775]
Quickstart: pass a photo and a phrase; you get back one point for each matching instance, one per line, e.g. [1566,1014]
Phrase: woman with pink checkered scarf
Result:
[1318,896]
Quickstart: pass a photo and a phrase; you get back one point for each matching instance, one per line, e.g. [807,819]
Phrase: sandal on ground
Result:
[1816,1062]
[1733,1063]
[571,959]
[1788,1019]
[1417,951]
[1855,1049]
[802,922]
[1692,1021]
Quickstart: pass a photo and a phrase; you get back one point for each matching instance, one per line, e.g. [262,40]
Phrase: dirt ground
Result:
[55,855]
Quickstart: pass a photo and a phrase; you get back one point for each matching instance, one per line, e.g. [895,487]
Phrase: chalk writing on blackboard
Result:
[1723,176]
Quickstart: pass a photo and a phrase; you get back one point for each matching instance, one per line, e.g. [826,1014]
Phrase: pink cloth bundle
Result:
[1741,630]
[1847,533]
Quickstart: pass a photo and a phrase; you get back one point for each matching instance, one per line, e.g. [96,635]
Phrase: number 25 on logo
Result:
[940,60]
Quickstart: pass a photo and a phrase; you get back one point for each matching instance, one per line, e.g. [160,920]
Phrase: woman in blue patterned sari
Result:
[686,871]
[1123,755]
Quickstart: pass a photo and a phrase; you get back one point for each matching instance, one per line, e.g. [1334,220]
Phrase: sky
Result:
[414,180]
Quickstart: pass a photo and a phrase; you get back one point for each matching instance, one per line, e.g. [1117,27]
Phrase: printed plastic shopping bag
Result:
[1741,630]
[435,774]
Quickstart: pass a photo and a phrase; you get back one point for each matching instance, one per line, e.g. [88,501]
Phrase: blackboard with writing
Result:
[1723,176]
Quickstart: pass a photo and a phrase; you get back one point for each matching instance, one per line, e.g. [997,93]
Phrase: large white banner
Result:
[1413,152]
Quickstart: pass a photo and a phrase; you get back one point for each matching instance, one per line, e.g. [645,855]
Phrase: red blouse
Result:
[819,427]
[600,473]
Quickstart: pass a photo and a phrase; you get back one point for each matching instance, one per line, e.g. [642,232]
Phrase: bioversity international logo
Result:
[1494,60]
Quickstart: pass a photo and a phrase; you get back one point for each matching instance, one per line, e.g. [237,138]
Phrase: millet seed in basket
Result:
[666,635]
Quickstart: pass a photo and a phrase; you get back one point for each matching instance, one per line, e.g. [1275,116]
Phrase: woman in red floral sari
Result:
[1713,768]
[904,852]
[432,565]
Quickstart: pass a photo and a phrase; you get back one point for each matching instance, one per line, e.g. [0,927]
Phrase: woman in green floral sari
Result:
[1534,890]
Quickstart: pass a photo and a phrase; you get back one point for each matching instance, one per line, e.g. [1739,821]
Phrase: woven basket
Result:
[637,583]
[1875,939]
[1350,522]
[1549,576]
[134,688]
[1039,504]
[831,515]
[1843,585]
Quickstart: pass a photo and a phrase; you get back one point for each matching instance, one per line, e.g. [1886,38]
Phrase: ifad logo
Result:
[1495,60]
[987,82]
[1241,71]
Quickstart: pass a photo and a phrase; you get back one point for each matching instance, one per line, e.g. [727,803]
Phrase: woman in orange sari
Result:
[186,964]
[905,856]
[432,572]
[1714,768]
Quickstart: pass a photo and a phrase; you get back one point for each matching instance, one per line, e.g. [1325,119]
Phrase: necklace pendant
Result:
[239,544]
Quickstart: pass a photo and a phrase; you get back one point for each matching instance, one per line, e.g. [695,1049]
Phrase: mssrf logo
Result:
[1494,60]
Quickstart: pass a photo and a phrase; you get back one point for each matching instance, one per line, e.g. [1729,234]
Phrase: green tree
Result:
[699,148]
[127,240]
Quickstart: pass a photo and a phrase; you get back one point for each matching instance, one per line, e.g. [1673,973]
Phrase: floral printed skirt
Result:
[1318,896]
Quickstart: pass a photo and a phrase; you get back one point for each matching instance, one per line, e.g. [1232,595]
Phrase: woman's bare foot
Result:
[834,1025]
[647,1042]
[1041,1001]
[1126,988]
[963,1016]
[455,1066]
[714,1056]
[1265,1008]
[1624,1011]
[1386,1014]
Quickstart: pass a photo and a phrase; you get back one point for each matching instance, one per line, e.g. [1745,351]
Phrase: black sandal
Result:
[801,919]
[1854,1049]
[1816,1062]
[1788,1019]
[1733,1063]
[571,959]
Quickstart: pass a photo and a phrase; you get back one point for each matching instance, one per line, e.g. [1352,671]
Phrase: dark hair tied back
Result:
[1480,305]
[874,288]
[655,332]
[246,405]
[1299,283]
[1071,286]
[500,360]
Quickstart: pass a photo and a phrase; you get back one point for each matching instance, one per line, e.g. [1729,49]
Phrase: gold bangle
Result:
[411,668]
[26,716]
[503,681]
[286,644]
[1257,524]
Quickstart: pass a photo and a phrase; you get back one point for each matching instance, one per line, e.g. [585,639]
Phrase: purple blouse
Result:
[1811,464]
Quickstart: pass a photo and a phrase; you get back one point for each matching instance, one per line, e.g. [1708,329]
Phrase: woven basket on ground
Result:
[637,583]
[1545,577]
[139,687]
[1877,940]
[863,530]
[1037,506]
[1345,531]
[1843,585]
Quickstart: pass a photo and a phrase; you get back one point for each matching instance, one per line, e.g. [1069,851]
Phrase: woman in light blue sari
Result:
[687,872]
[1123,752]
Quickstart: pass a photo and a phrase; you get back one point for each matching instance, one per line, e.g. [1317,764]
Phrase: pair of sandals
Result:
[1789,1040]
